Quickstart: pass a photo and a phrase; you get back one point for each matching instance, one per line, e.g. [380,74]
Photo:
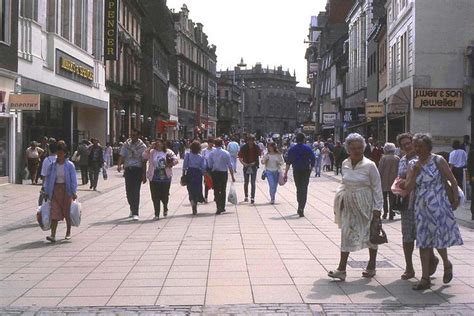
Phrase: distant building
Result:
[303,101]
[269,100]
[197,84]
[159,73]
[228,103]
[123,75]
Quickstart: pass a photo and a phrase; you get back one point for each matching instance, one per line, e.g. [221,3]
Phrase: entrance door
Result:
[3,147]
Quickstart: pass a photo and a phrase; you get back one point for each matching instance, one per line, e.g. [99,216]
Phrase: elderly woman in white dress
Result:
[358,200]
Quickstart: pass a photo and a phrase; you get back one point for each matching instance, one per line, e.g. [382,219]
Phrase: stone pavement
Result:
[253,259]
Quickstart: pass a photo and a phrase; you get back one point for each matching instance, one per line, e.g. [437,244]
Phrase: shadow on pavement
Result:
[287,217]
[31,245]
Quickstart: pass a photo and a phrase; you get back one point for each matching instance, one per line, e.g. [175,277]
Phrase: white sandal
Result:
[336,274]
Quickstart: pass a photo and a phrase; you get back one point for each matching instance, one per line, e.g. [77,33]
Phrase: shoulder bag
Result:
[447,185]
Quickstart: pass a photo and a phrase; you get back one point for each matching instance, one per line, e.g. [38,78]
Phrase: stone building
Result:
[197,84]
[123,75]
[228,104]
[269,99]
[430,67]
[60,58]
[303,101]
[8,79]
[159,75]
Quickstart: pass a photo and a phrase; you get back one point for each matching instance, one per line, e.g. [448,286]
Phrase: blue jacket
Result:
[70,179]
[301,157]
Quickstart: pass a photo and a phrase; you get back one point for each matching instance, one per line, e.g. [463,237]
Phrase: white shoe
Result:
[130,215]
[135,218]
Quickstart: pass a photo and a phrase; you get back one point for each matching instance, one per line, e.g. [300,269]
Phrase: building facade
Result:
[8,80]
[430,73]
[268,100]
[197,83]
[159,71]
[123,75]
[229,100]
[303,101]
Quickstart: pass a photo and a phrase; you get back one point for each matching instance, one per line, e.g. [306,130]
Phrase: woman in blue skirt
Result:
[194,168]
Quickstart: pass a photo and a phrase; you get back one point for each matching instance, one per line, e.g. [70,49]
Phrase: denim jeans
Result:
[317,166]
[233,161]
[272,178]
[252,178]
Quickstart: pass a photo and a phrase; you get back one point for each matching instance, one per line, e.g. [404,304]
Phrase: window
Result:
[51,16]
[29,9]
[97,29]
[5,21]
[259,95]
[66,19]
[80,23]
[403,57]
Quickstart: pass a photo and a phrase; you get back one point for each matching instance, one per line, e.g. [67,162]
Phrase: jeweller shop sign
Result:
[438,98]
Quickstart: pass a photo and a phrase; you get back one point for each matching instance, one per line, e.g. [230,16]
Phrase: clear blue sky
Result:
[267,31]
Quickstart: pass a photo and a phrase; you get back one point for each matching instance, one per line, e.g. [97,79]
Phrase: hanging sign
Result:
[374,110]
[111,30]
[24,102]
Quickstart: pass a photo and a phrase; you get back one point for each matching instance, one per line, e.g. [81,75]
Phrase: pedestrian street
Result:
[250,259]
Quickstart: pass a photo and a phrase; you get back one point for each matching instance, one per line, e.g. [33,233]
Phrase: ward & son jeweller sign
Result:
[438,98]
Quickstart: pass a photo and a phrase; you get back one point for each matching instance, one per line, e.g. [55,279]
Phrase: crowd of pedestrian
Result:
[377,181]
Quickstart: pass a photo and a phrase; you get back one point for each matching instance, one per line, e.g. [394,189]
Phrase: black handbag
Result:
[184,180]
[377,234]
[264,174]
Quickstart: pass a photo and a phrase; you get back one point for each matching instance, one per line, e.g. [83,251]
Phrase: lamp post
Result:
[242,110]
[122,122]
[133,116]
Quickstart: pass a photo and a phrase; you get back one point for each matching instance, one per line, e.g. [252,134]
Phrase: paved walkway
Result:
[255,256]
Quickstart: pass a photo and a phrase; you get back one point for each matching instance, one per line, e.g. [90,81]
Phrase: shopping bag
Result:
[232,197]
[75,157]
[281,178]
[104,173]
[264,175]
[208,182]
[75,213]
[396,189]
[184,180]
[43,216]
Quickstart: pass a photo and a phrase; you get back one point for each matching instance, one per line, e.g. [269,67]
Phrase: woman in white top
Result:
[32,161]
[272,160]
[358,200]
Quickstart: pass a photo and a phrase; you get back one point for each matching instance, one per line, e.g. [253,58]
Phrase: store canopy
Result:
[399,102]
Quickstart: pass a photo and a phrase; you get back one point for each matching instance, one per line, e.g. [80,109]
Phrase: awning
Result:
[399,102]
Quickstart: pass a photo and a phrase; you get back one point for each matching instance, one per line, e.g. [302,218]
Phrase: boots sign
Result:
[438,98]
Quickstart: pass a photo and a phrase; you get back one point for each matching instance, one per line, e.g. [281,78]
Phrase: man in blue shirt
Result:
[219,162]
[302,158]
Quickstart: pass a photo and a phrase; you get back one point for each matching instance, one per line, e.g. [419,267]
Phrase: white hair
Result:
[352,138]
[389,148]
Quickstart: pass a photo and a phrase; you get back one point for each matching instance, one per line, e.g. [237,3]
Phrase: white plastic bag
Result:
[75,213]
[232,197]
[43,216]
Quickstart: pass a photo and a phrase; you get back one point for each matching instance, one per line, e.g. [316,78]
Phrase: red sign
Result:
[162,125]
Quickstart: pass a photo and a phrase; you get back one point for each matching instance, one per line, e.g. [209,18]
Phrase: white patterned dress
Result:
[435,222]
[361,194]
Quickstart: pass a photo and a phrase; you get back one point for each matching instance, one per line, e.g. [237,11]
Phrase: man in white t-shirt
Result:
[205,154]
[233,148]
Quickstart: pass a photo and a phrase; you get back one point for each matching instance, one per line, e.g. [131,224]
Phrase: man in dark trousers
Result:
[302,159]
[249,157]
[96,162]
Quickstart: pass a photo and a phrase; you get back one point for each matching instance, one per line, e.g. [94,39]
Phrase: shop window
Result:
[5,6]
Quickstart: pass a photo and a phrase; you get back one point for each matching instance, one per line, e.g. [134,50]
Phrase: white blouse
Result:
[60,176]
[364,175]
[273,162]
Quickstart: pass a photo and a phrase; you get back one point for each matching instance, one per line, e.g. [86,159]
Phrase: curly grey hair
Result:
[425,138]
[389,148]
[352,138]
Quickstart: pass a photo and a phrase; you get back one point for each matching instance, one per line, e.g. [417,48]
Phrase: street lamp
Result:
[122,115]
[242,110]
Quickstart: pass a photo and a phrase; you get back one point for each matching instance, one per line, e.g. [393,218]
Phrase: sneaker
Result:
[246,199]
[165,213]
[136,218]
[156,218]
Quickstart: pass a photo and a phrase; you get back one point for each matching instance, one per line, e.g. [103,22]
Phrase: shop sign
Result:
[24,102]
[111,30]
[3,102]
[374,110]
[329,118]
[309,128]
[438,98]
[74,69]
[349,115]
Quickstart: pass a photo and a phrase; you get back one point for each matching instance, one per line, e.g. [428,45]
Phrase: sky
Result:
[271,32]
